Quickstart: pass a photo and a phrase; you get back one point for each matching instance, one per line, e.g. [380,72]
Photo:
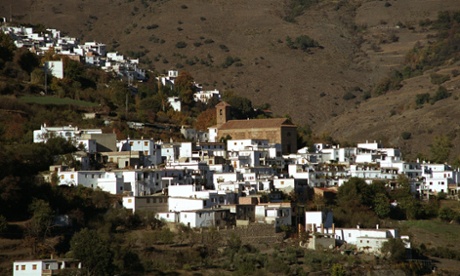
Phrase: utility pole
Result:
[45,68]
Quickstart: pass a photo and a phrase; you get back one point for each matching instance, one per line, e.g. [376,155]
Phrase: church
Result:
[276,130]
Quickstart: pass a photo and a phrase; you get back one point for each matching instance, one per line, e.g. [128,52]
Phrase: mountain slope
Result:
[322,87]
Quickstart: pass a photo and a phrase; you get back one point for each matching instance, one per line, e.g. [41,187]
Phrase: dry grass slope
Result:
[361,41]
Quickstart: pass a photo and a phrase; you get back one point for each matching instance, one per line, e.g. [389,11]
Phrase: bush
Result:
[181,44]
[348,96]
[440,94]
[439,78]
[224,48]
[303,42]
[447,214]
[152,26]
[421,99]
[406,135]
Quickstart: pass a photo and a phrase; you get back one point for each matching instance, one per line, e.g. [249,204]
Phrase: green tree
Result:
[395,249]
[94,252]
[39,227]
[382,205]
[440,149]
[27,60]
[355,192]
[7,48]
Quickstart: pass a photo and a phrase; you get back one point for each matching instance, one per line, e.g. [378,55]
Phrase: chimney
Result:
[322,228]
[333,229]
[376,226]
[357,226]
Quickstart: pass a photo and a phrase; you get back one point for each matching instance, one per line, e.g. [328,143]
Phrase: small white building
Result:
[206,96]
[55,68]
[107,181]
[70,133]
[43,267]
[175,103]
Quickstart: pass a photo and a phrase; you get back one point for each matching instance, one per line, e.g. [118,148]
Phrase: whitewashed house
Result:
[44,267]
[70,133]
[111,182]
[150,150]
[175,103]
[206,96]
[438,178]
[276,214]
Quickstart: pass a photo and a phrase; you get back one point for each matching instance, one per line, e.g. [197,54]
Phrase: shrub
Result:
[224,48]
[447,214]
[197,44]
[183,7]
[303,42]
[406,135]
[348,96]
[208,41]
[441,94]
[181,44]
[439,78]
[421,99]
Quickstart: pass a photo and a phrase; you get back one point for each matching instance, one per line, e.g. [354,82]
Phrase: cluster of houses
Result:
[234,174]
[241,179]
[91,53]
[95,54]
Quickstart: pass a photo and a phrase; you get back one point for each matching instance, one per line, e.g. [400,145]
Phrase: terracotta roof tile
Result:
[256,123]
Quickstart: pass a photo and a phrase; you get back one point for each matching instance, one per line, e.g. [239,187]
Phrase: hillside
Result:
[360,42]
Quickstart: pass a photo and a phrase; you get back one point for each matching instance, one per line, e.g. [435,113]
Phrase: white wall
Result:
[177,204]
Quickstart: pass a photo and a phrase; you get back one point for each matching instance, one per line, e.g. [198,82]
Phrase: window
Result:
[349,235]
[145,143]
[23,267]
[71,176]
[148,200]
[130,200]
[17,267]
[62,176]
[34,267]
